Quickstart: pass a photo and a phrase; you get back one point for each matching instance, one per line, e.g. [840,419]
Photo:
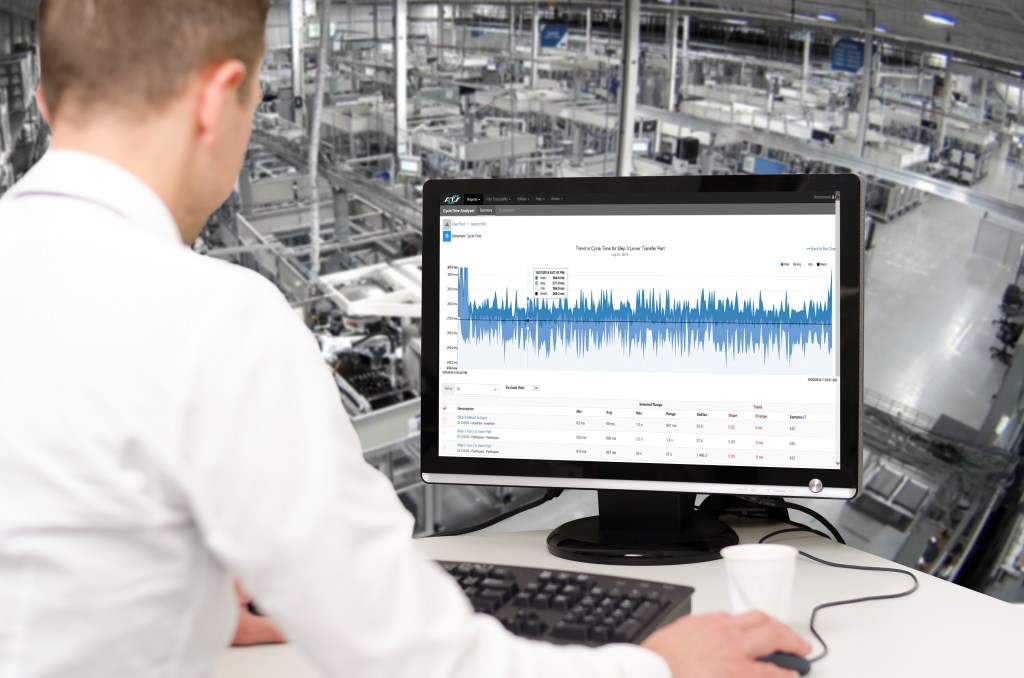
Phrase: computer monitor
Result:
[650,338]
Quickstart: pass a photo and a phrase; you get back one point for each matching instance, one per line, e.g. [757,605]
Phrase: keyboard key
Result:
[596,592]
[465,568]
[653,597]
[563,577]
[560,603]
[481,570]
[572,592]
[645,613]
[582,579]
[534,627]
[501,573]
[545,576]
[488,605]
[503,584]
[551,589]
[601,634]
[541,601]
[522,600]
[627,605]
[627,631]
[567,631]
[495,594]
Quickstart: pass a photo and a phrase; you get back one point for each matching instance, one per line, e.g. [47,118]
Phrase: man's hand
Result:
[724,646]
[253,629]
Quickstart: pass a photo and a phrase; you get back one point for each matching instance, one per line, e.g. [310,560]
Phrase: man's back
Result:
[104,312]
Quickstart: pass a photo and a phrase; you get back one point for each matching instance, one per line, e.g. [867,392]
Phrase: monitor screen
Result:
[679,334]
[409,165]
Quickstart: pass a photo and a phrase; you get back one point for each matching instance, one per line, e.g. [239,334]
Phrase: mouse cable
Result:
[851,601]
[548,496]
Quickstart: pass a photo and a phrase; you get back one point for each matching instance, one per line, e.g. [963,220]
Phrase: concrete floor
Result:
[928,313]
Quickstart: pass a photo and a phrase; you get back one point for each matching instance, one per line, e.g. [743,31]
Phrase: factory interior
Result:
[365,101]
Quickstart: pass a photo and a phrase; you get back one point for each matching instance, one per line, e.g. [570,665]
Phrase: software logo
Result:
[453,199]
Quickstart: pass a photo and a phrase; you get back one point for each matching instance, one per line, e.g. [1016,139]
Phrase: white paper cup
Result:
[760,578]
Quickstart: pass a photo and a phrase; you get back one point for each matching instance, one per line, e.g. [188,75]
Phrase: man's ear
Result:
[43,108]
[220,87]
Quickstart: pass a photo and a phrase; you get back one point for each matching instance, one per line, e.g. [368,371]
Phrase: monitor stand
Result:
[642,528]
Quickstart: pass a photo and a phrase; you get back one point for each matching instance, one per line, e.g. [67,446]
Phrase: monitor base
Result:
[642,528]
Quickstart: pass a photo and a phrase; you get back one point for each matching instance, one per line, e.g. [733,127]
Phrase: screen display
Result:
[692,329]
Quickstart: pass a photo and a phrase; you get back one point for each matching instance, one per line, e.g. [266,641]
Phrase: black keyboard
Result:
[570,607]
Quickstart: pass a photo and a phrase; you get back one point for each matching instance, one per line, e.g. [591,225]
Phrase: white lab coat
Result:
[165,420]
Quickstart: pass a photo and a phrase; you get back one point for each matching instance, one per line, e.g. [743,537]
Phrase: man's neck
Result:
[145,152]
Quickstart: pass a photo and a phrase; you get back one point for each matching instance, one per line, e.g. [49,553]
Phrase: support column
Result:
[807,68]
[628,91]
[1020,99]
[440,27]
[685,69]
[536,46]
[673,60]
[512,33]
[947,96]
[589,46]
[984,99]
[920,75]
[865,95]
[672,33]
[297,23]
[401,30]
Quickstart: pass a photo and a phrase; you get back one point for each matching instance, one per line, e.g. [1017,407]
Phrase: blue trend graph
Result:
[729,327]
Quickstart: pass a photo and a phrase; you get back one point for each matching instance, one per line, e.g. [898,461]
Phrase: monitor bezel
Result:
[842,483]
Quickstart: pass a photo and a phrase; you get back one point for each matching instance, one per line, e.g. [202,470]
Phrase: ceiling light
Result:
[882,29]
[940,19]
[736,22]
[828,17]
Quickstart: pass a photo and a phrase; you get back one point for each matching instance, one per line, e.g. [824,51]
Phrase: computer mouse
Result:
[788,661]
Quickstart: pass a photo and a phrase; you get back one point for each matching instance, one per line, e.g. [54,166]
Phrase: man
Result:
[165,420]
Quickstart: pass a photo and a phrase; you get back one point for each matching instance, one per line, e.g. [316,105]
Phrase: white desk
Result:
[942,630]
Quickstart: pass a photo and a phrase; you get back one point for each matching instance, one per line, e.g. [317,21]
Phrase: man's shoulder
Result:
[231,291]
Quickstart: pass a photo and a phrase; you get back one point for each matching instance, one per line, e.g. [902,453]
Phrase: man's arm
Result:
[282,495]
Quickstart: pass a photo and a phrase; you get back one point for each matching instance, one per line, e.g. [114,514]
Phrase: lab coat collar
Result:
[81,176]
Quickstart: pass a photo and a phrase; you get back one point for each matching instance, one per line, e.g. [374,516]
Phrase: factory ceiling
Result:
[20,7]
[989,30]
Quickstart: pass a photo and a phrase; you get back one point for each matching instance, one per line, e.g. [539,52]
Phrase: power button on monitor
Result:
[815,486]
